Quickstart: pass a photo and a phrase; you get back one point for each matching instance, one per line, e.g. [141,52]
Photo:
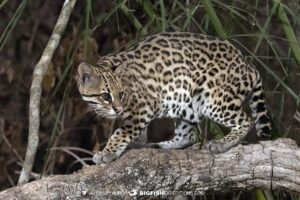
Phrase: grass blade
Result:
[104,18]
[264,28]
[162,15]
[87,28]
[150,11]
[133,20]
[12,23]
[190,16]
[214,18]
[288,30]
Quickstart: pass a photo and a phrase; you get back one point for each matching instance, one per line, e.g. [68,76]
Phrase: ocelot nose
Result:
[118,109]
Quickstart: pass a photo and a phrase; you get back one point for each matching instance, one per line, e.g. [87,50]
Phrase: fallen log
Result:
[147,173]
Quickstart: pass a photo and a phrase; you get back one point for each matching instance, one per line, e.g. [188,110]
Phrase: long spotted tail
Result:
[259,111]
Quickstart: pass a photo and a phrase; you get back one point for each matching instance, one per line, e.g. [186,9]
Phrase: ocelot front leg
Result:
[184,136]
[140,141]
[119,141]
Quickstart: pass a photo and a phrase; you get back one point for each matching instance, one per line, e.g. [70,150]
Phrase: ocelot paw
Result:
[104,157]
[217,146]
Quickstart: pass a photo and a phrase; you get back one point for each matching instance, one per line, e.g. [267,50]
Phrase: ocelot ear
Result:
[85,71]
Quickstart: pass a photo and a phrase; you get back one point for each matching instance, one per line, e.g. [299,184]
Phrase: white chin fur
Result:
[111,114]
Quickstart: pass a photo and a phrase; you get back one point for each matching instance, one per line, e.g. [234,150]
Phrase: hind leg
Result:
[239,124]
[229,114]
[184,136]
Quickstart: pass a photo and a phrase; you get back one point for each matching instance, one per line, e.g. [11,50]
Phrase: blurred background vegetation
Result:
[266,31]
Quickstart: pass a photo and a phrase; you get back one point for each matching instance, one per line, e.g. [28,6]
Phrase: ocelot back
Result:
[186,76]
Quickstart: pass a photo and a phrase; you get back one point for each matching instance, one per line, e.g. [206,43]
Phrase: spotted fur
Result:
[185,76]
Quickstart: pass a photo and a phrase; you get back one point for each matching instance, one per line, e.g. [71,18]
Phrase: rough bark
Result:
[36,89]
[269,164]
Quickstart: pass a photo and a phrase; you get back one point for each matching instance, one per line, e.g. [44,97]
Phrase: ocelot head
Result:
[101,89]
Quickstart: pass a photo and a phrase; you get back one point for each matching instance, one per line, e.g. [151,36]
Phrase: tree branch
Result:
[35,91]
[269,164]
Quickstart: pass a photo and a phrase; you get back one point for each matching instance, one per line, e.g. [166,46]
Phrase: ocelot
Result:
[186,76]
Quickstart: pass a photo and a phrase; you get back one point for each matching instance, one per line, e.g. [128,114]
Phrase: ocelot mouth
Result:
[91,103]
[107,113]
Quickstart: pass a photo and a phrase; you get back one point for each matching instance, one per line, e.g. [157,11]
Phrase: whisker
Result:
[91,102]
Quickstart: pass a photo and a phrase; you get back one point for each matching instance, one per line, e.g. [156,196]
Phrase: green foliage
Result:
[214,18]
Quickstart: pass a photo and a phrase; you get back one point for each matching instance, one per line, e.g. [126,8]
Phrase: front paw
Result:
[217,146]
[104,157]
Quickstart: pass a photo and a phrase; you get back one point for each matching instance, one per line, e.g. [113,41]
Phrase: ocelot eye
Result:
[106,97]
[121,95]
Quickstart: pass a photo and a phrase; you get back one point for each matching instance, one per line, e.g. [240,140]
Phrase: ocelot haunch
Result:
[186,76]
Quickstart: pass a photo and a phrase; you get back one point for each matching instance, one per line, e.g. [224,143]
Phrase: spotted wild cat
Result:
[186,76]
